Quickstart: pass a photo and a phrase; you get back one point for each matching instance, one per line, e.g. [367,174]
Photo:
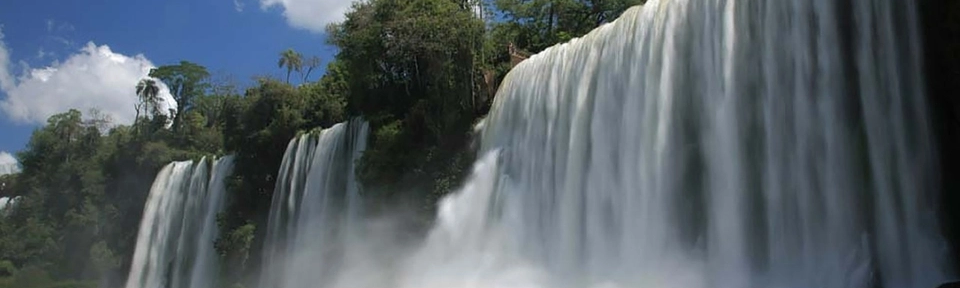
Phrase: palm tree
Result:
[311,63]
[292,60]
[149,94]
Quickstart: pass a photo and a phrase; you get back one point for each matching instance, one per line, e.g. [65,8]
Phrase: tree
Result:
[149,97]
[534,25]
[410,68]
[223,86]
[98,119]
[186,81]
[311,64]
[398,53]
[292,60]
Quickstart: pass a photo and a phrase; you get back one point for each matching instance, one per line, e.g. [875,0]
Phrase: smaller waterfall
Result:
[175,243]
[314,207]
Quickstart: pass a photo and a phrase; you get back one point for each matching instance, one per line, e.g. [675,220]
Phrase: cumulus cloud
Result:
[8,164]
[94,78]
[313,15]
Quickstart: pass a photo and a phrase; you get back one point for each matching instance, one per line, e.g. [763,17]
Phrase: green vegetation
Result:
[418,70]
[537,24]
[186,82]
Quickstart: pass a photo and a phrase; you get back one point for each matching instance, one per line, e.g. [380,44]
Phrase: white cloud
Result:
[94,78]
[313,15]
[238,5]
[50,25]
[8,164]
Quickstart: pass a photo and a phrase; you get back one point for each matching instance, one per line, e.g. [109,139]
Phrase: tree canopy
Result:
[186,81]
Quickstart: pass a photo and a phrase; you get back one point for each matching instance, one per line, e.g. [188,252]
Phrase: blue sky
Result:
[57,54]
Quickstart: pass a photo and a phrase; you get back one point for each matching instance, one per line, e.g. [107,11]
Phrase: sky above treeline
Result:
[56,55]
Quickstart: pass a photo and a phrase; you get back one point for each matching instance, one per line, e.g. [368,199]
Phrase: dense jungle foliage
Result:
[421,71]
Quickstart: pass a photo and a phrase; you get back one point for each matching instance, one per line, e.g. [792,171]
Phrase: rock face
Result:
[941,36]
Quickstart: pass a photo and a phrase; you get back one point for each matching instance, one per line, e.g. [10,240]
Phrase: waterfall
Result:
[175,245]
[713,143]
[315,206]
[765,143]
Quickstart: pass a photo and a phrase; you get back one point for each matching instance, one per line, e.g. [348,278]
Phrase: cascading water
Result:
[706,144]
[737,143]
[175,245]
[315,204]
